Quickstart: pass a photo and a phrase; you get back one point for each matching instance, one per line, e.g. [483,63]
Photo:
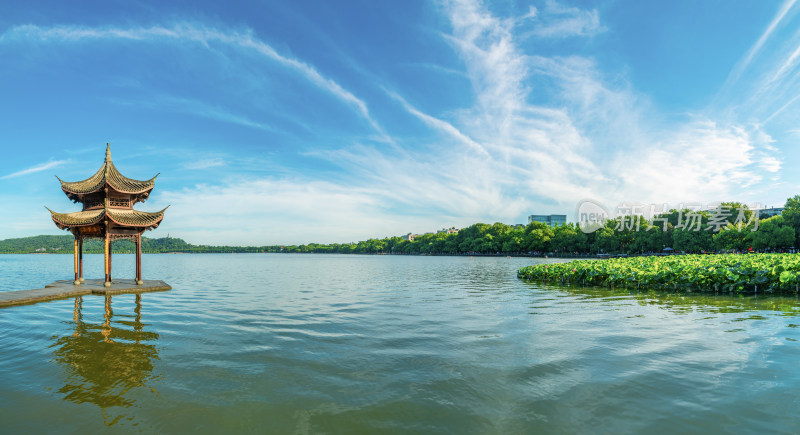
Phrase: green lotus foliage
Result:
[725,273]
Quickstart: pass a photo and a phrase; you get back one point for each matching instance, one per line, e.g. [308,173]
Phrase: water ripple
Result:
[365,344]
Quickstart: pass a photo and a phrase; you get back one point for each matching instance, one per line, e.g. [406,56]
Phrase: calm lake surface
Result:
[273,343]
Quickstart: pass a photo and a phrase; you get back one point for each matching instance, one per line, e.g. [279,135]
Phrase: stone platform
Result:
[66,289]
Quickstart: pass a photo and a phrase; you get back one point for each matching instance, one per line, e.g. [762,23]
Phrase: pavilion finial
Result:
[108,152]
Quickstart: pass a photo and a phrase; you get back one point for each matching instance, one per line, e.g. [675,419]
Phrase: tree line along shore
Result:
[627,235]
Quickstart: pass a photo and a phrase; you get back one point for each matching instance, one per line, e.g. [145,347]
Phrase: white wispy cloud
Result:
[195,107]
[206,36]
[756,48]
[699,162]
[558,21]
[493,161]
[498,158]
[503,157]
[440,125]
[771,163]
[541,146]
[780,109]
[788,64]
[601,141]
[204,164]
[765,82]
[38,168]
[267,211]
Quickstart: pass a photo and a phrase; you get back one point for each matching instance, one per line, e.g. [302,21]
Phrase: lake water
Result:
[295,343]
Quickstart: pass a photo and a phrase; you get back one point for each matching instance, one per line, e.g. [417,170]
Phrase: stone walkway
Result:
[66,289]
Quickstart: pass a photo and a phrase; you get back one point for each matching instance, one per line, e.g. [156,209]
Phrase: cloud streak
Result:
[766,81]
[756,48]
[503,157]
[557,21]
[440,125]
[34,169]
[532,132]
[318,211]
[204,164]
[600,141]
[194,107]
[205,36]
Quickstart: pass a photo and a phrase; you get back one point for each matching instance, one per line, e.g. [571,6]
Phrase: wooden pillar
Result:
[107,232]
[139,259]
[107,260]
[110,258]
[80,259]
[75,262]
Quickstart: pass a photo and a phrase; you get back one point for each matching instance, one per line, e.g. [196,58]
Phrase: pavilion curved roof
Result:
[125,217]
[78,218]
[108,174]
[136,218]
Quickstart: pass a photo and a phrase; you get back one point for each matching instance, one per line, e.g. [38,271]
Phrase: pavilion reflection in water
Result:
[103,362]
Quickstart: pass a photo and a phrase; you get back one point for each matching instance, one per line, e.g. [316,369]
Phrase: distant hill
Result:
[63,244]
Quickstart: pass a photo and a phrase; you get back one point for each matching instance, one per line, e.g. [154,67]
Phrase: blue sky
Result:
[310,121]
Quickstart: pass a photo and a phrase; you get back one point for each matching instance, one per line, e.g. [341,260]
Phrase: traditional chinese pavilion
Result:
[108,198]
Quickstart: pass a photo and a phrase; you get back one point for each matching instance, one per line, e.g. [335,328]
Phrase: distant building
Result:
[769,212]
[410,237]
[552,219]
[451,230]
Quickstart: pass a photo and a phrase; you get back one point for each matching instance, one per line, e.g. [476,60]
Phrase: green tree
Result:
[690,240]
[733,238]
[791,215]
[653,240]
[568,238]
[773,233]
[537,237]
[606,240]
